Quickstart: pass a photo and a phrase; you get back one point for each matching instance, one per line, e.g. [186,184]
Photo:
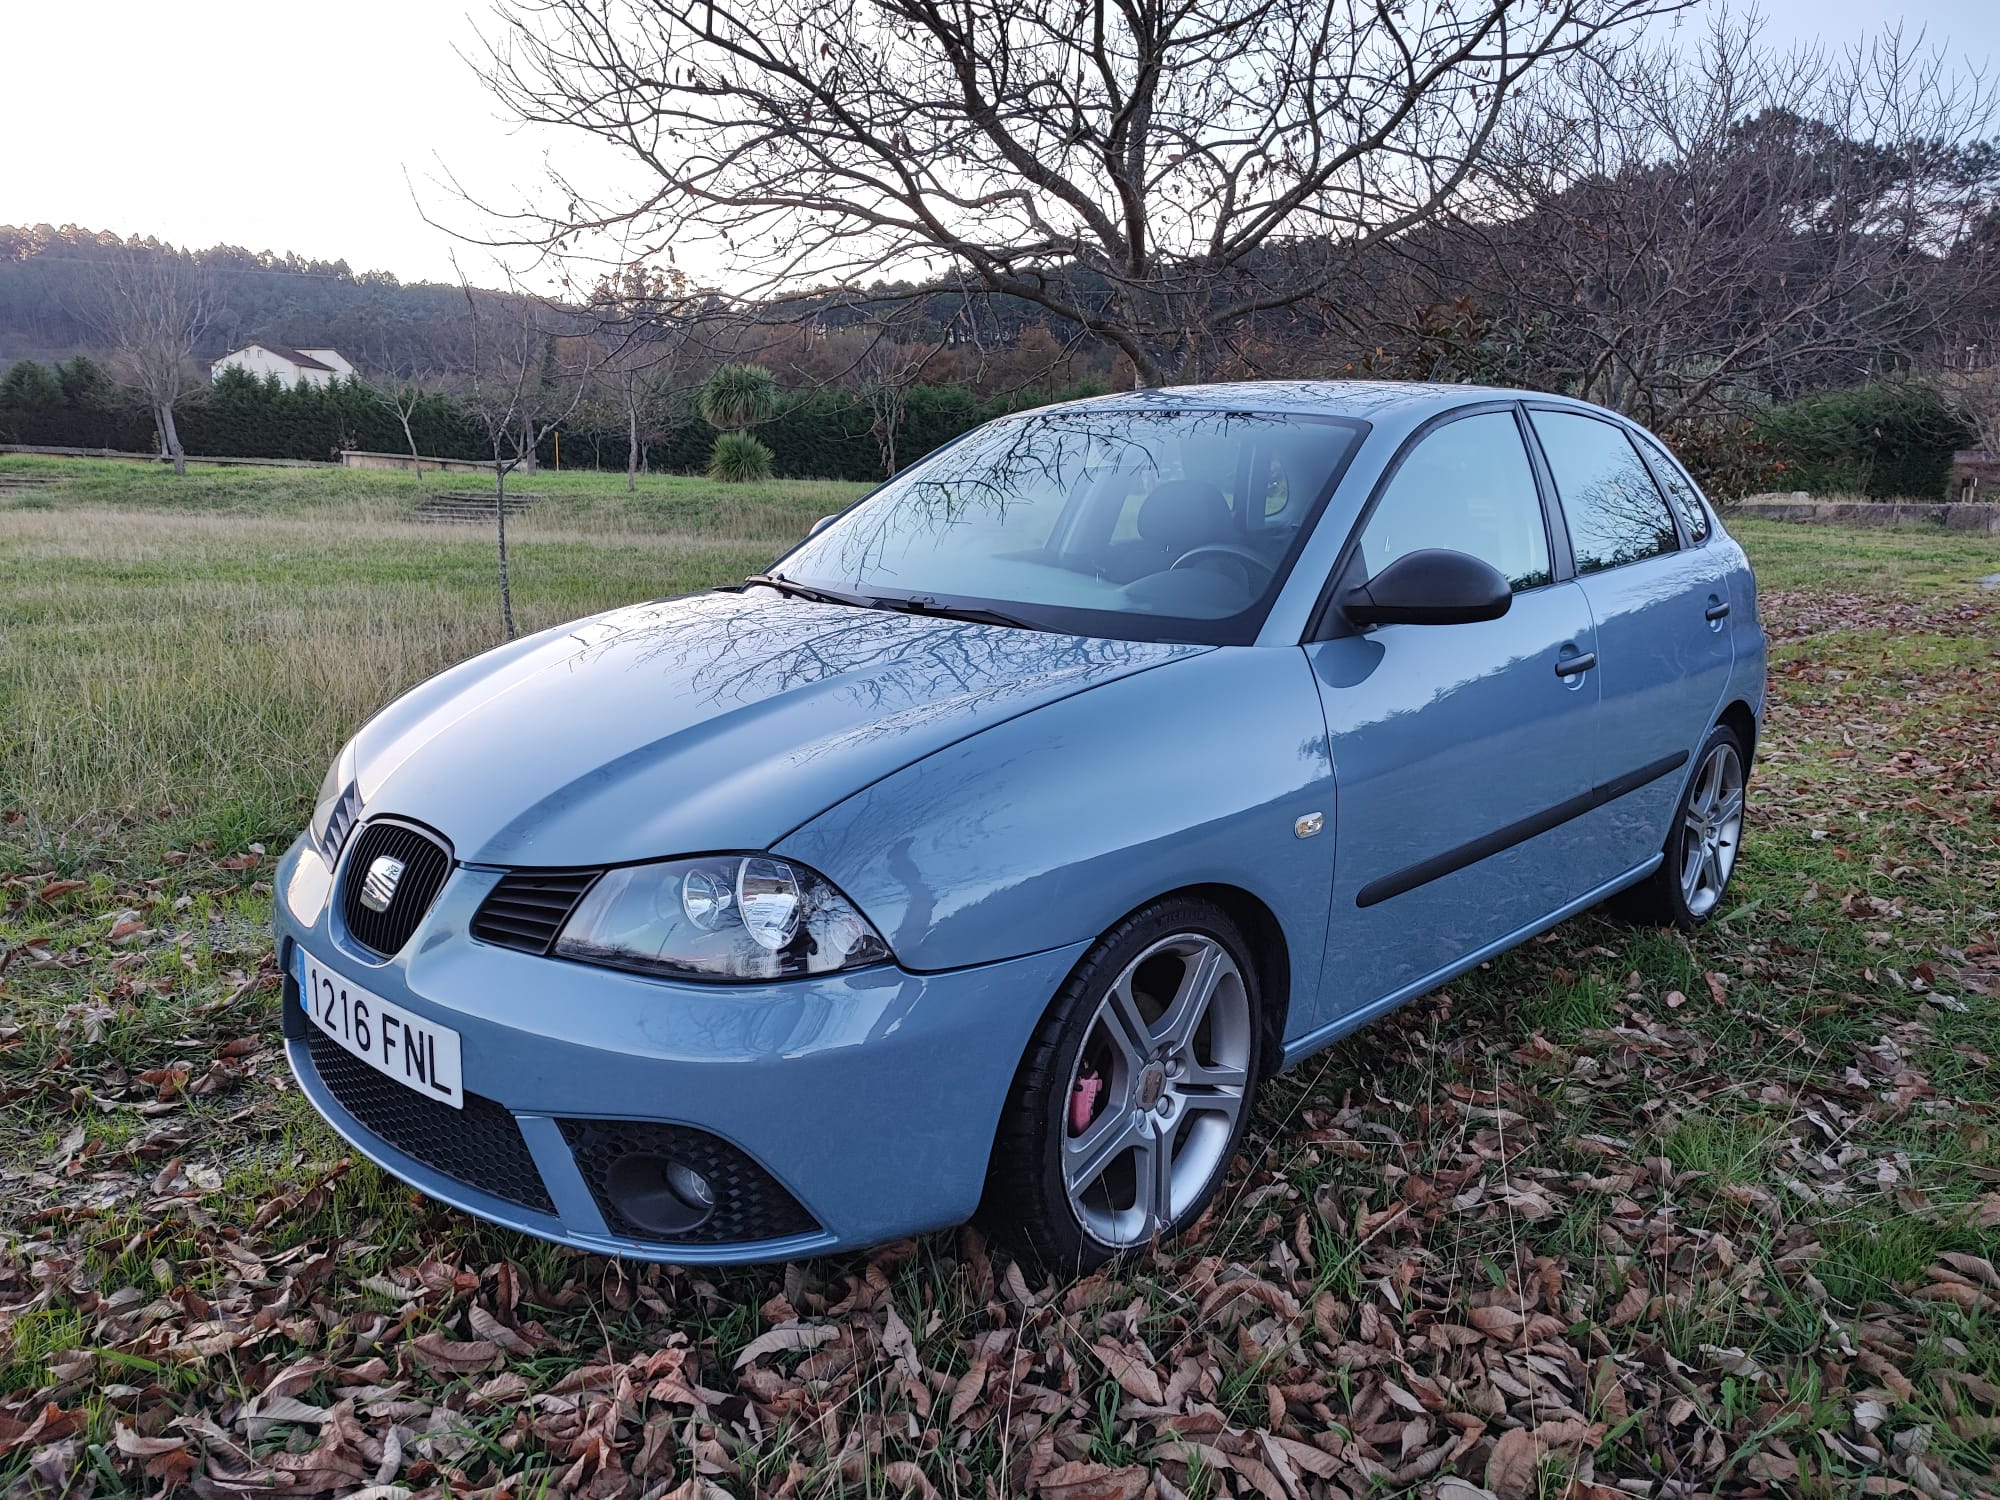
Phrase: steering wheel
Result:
[1258,580]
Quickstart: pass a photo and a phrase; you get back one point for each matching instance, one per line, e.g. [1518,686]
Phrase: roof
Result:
[285,352]
[1340,398]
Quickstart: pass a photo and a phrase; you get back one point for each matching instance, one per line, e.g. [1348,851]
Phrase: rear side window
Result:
[1687,504]
[1465,487]
[1616,513]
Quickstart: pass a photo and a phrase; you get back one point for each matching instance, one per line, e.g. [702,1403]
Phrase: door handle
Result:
[1716,611]
[1569,666]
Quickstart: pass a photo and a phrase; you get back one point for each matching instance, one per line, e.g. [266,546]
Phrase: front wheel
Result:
[1129,1105]
[1703,843]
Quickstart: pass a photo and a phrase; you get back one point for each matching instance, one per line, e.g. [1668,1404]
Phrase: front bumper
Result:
[870,1098]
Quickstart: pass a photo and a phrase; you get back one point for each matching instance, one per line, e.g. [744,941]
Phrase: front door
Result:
[1458,750]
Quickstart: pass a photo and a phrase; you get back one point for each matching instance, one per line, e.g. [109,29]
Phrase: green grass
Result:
[1726,1172]
[681,505]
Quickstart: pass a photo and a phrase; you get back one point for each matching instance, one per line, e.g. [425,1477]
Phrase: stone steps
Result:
[469,507]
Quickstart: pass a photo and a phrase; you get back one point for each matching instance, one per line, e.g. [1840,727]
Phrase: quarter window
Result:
[1615,512]
[1686,502]
[1466,487]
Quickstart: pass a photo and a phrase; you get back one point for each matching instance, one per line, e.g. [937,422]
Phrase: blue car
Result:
[991,849]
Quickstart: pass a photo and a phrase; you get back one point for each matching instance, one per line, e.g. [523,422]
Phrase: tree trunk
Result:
[170,438]
[529,465]
[411,438]
[500,530]
[632,449]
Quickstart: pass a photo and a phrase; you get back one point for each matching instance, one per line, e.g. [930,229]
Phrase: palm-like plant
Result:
[738,457]
[737,396]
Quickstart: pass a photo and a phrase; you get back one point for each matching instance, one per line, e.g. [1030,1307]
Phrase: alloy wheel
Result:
[1712,830]
[1158,1086]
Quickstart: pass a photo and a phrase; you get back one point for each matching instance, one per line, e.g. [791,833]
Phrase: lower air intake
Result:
[479,1145]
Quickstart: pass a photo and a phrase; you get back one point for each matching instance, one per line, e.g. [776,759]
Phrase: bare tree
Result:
[527,374]
[152,312]
[1679,229]
[1156,174]
[406,388]
[886,373]
[643,316]
[1970,380]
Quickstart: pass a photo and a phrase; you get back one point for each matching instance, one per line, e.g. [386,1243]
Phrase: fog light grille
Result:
[749,1204]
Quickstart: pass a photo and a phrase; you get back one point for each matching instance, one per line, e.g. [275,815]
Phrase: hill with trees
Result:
[50,279]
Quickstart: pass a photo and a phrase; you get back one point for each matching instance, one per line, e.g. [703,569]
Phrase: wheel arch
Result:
[1270,952]
[1739,718]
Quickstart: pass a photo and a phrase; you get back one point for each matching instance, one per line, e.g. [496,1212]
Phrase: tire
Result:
[1078,1174]
[1692,879]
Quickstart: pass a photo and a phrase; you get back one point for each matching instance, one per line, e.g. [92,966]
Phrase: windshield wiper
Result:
[785,585]
[923,604]
[916,604]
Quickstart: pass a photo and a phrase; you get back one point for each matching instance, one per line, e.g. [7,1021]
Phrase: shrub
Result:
[737,396]
[738,458]
[1728,456]
[1882,439]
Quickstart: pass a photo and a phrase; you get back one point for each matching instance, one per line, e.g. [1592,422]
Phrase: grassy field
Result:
[1620,1214]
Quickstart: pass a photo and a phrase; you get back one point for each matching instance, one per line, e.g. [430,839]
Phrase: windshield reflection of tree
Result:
[902,671]
[1030,461]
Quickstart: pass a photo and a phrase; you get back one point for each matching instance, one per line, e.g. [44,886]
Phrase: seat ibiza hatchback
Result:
[994,845]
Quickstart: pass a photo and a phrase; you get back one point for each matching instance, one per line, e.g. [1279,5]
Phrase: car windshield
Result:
[1141,525]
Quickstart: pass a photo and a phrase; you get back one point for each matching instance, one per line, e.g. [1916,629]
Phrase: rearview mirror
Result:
[1431,587]
[820,525]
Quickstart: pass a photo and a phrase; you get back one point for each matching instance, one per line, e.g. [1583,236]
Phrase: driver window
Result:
[1466,487]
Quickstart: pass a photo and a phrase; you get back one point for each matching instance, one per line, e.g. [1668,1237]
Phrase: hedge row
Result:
[1882,439]
[826,435]
[1887,439]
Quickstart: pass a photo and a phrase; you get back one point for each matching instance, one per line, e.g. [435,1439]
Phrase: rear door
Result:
[1457,749]
[1660,600]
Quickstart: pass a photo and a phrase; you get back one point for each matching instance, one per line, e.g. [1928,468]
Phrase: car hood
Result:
[717,721]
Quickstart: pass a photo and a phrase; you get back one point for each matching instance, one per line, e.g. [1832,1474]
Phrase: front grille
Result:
[750,1204]
[479,1145]
[527,909]
[425,862]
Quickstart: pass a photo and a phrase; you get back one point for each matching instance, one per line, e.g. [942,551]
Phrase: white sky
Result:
[278,125]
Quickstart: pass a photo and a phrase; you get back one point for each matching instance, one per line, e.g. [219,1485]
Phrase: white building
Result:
[313,366]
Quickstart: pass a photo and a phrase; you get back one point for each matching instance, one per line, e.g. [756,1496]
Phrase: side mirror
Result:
[1431,587]
[820,525]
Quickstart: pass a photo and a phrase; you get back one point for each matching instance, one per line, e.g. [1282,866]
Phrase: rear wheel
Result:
[1702,844]
[1129,1105]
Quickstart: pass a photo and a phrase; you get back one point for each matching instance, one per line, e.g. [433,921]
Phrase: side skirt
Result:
[1297,1051]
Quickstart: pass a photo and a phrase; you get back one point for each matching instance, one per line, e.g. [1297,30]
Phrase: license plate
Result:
[417,1053]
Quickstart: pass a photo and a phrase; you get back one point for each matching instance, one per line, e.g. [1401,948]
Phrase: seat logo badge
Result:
[378,889]
[1309,825]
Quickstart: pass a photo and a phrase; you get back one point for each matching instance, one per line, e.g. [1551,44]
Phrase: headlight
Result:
[722,916]
[336,807]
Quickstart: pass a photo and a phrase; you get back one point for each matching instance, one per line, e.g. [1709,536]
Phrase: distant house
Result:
[313,366]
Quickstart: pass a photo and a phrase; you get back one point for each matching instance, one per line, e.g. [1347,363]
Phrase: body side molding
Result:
[1424,871]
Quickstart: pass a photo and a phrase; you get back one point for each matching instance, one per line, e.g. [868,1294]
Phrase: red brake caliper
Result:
[1083,1100]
